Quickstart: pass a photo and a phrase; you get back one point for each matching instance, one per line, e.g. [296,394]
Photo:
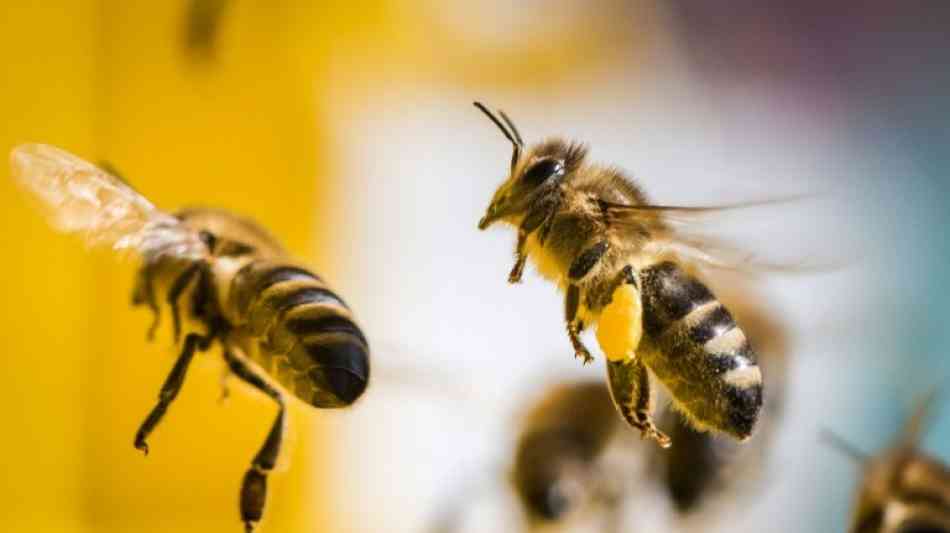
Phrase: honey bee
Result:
[556,459]
[903,490]
[619,260]
[280,327]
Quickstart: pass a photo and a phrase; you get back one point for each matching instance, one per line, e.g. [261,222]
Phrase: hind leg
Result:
[254,485]
[620,326]
[630,391]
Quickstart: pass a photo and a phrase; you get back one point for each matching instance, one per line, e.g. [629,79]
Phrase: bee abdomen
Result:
[255,277]
[262,292]
[331,370]
[706,360]
[309,341]
[670,294]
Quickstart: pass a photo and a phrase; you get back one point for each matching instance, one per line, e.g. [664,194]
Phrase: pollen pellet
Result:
[620,326]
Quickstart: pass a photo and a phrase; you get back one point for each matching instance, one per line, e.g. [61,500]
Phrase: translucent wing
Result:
[82,198]
[772,240]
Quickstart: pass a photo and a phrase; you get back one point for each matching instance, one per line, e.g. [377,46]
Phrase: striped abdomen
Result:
[701,355]
[307,339]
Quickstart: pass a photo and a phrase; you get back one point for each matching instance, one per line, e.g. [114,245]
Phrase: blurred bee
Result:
[557,455]
[591,231]
[903,489]
[277,323]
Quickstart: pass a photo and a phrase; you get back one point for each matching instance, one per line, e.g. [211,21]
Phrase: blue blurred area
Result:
[883,69]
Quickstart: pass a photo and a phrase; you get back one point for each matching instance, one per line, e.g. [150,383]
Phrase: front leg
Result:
[515,275]
[144,293]
[630,391]
[540,216]
[575,326]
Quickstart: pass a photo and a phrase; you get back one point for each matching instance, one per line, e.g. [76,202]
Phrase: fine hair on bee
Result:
[227,282]
[625,270]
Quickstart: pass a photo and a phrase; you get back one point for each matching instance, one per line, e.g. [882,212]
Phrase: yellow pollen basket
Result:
[620,325]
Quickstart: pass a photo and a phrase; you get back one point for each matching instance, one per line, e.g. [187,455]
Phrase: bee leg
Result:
[574,326]
[254,486]
[630,391]
[178,287]
[545,229]
[518,269]
[171,387]
[225,389]
[541,215]
[583,263]
[144,293]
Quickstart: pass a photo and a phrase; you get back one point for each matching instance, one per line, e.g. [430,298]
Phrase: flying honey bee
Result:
[619,260]
[903,490]
[279,326]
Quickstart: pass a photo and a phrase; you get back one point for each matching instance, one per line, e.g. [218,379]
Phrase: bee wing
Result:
[79,197]
[703,235]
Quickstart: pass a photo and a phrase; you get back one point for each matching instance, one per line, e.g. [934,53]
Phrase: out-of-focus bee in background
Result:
[630,268]
[228,282]
[557,466]
[562,464]
[903,489]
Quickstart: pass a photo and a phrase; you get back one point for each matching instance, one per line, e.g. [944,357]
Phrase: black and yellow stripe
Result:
[308,339]
[701,354]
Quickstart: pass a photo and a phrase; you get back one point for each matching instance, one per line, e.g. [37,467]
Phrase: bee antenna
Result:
[511,126]
[916,425]
[842,445]
[515,139]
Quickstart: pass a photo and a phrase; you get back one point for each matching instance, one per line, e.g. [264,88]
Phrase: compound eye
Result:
[540,171]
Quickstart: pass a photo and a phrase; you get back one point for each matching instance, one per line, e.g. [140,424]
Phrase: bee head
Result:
[532,171]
